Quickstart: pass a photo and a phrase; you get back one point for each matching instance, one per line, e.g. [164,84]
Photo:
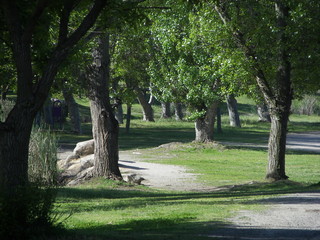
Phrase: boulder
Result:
[73,169]
[84,148]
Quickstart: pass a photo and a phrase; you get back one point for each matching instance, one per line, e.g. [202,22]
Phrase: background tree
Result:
[233,111]
[278,40]
[105,126]
[129,64]
[188,66]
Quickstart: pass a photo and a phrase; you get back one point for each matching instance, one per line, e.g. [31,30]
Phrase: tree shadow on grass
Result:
[111,199]
[182,229]
[145,229]
[184,226]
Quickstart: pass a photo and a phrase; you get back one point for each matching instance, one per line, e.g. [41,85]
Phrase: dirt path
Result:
[309,142]
[289,217]
[159,176]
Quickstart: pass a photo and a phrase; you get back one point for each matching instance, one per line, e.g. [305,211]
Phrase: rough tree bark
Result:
[233,111]
[178,111]
[146,107]
[263,113]
[204,126]
[280,104]
[279,96]
[73,110]
[105,127]
[166,111]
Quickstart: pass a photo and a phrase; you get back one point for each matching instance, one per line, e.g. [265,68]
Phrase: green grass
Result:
[218,165]
[145,135]
[103,209]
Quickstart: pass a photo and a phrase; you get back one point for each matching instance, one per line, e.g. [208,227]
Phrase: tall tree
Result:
[105,127]
[187,65]
[25,21]
[273,36]
[129,64]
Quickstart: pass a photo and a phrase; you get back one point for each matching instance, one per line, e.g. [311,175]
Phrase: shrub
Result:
[27,215]
[308,105]
[42,157]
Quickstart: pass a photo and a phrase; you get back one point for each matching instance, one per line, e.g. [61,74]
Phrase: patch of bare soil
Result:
[159,176]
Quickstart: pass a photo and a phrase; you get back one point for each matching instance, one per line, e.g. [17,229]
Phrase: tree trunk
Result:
[166,112]
[119,113]
[277,147]
[204,126]
[73,110]
[146,107]
[280,106]
[16,130]
[178,111]
[263,113]
[14,142]
[105,127]
[219,127]
[128,120]
[278,94]
[233,111]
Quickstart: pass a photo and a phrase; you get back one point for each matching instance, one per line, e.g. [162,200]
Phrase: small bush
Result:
[308,105]
[27,213]
[42,157]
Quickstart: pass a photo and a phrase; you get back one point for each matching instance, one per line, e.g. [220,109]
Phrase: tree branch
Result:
[27,36]
[20,48]
[249,54]
[63,49]
[64,21]
[86,24]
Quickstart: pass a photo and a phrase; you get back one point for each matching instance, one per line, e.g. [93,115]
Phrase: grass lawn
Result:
[102,209]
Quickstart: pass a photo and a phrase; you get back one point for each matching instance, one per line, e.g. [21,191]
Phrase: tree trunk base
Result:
[272,177]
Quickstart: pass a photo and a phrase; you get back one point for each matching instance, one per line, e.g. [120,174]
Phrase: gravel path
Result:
[159,176]
[289,217]
[309,142]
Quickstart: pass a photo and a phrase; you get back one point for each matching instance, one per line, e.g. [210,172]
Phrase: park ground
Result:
[194,191]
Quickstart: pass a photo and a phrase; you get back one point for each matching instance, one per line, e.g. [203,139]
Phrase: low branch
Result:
[63,49]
